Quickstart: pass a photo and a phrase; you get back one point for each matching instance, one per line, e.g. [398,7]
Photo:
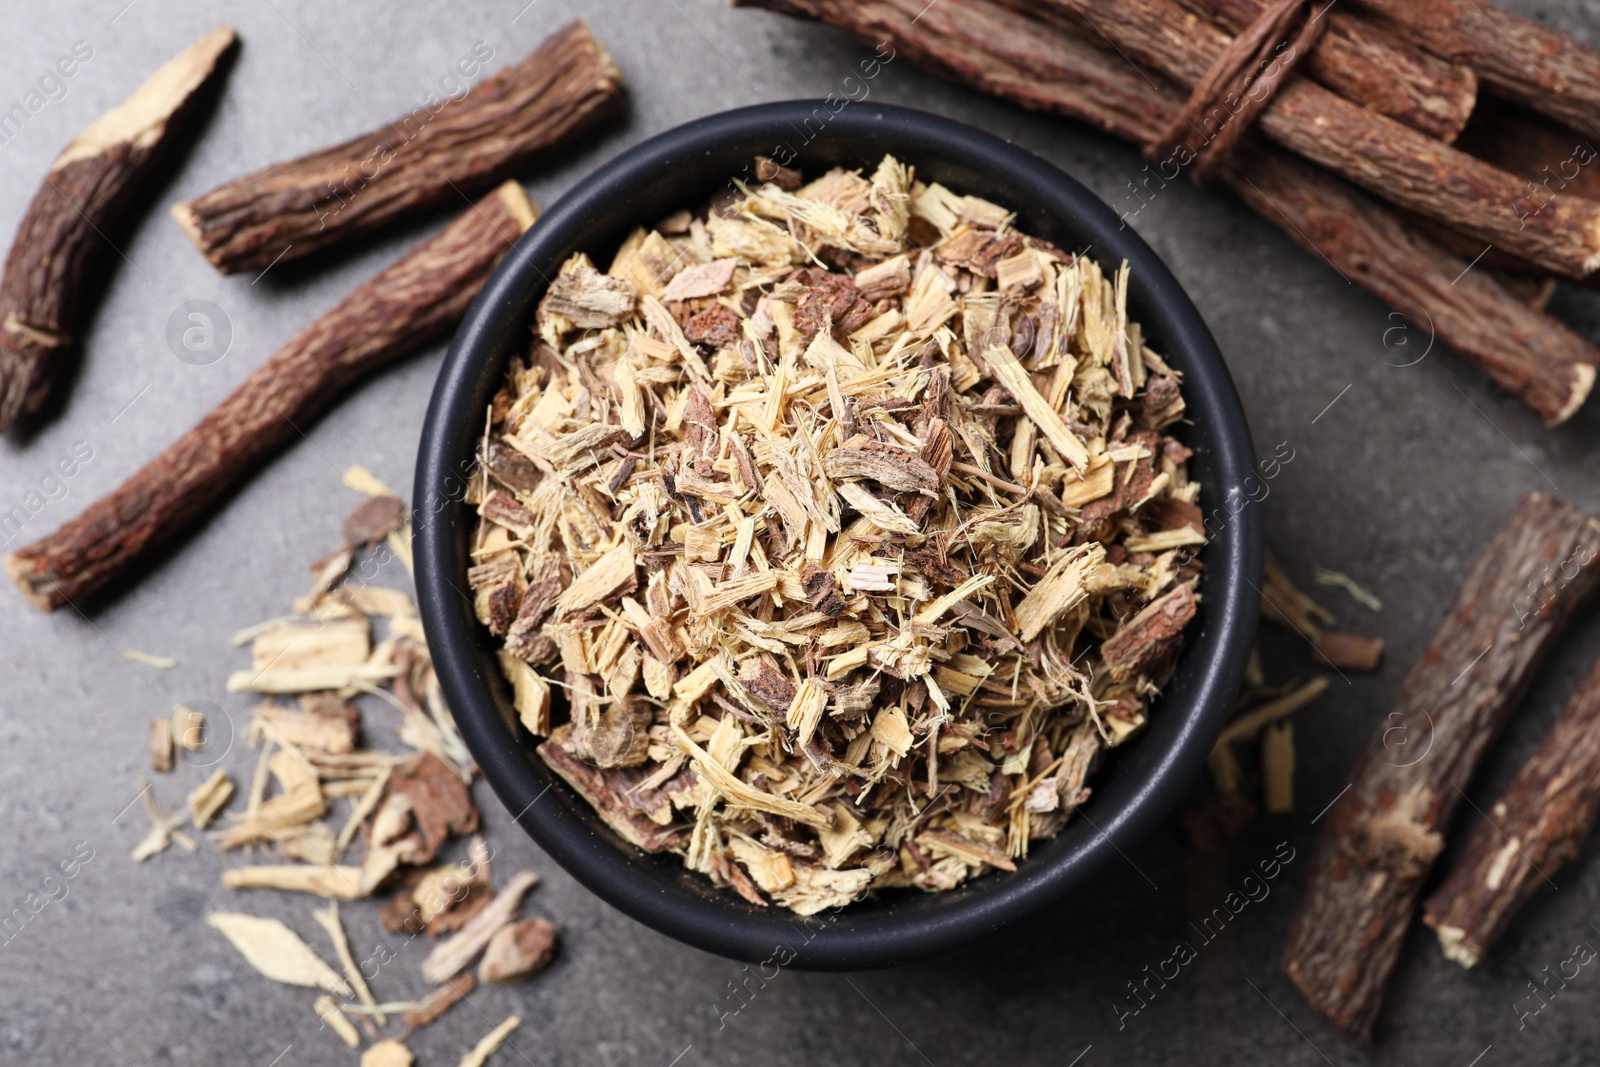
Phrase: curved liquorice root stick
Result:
[61,241]
[415,300]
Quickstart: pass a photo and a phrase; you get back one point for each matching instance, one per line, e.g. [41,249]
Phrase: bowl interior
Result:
[1132,792]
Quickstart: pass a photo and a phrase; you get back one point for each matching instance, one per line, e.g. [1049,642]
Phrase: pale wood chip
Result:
[490,1043]
[599,580]
[700,279]
[328,919]
[364,481]
[1277,768]
[277,952]
[387,1053]
[741,793]
[332,882]
[310,679]
[327,1010]
[210,797]
[1063,588]
[160,747]
[1010,372]
[164,663]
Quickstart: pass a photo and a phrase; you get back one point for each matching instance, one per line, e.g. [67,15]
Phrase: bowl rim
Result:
[717,922]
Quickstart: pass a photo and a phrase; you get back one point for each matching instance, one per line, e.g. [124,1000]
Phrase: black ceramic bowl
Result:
[1137,787]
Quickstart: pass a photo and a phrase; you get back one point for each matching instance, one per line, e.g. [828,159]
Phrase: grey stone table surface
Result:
[1400,476]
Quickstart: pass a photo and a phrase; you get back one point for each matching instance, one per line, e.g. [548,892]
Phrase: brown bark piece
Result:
[1380,839]
[1381,155]
[1151,634]
[979,251]
[1347,652]
[475,899]
[829,298]
[518,950]
[374,519]
[440,1001]
[415,300]
[510,468]
[408,166]
[613,794]
[500,508]
[821,591]
[902,471]
[588,299]
[1532,356]
[61,242]
[1521,60]
[439,802]
[1536,826]
[1363,63]
[717,326]
[615,735]
[768,684]
[400,915]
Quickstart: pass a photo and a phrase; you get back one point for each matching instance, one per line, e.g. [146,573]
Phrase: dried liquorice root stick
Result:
[1361,62]
[1555,161]
[61,241]
[418,161]
[1383,156]
[1532,356]
[1537,825]
[413,301]
[1380,839]
[1533,146]
[1534,65]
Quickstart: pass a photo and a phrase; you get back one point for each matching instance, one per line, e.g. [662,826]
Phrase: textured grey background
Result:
[1399,483]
